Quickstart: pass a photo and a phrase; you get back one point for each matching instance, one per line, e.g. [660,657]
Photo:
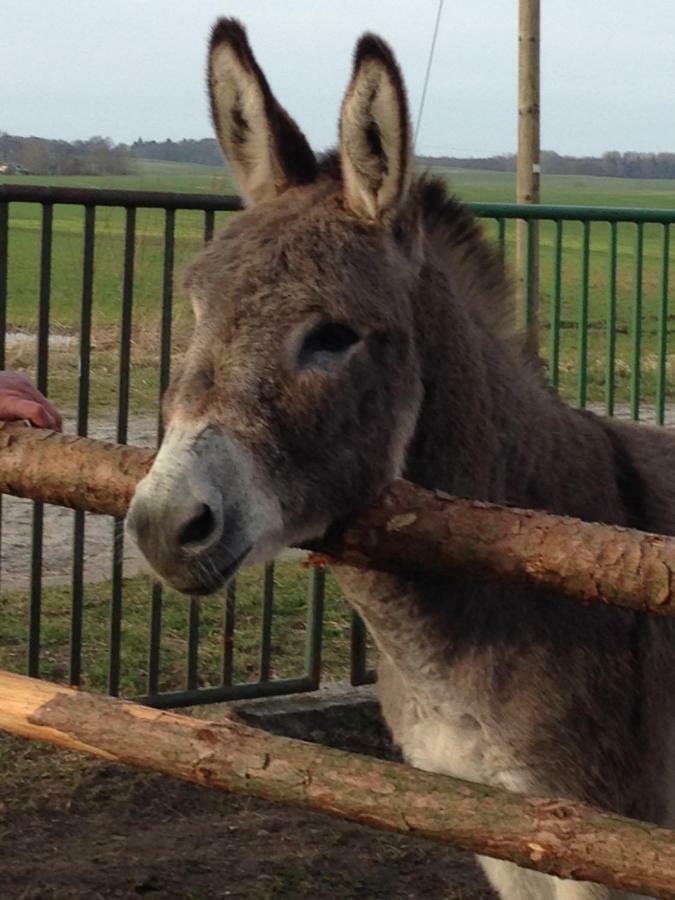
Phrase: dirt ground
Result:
[73,828]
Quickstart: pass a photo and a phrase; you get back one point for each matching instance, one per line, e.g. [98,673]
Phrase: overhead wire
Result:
[428,72]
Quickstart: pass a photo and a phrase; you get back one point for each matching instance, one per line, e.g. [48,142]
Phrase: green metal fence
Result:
[604,325]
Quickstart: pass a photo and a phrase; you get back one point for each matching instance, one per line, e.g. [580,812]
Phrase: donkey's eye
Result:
[326,343]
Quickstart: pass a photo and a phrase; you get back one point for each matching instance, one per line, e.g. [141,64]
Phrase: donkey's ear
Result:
[375,145]
[264,146]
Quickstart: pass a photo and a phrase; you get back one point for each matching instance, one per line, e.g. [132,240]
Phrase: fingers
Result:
[20,399]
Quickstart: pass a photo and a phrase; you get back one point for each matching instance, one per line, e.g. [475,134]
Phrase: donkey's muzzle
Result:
[186,515]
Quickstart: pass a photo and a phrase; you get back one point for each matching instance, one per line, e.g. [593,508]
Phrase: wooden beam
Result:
[559,837]
[409,529]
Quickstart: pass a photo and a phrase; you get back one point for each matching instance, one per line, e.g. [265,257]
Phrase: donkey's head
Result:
[300,389]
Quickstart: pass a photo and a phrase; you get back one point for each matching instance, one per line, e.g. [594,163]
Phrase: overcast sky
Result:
[135,68]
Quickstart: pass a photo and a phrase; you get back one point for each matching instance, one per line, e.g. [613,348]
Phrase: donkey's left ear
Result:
[375,143]
[266,149]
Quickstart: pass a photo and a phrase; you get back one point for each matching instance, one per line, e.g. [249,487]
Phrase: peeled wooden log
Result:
[409,529]
[559,837]
[72,471]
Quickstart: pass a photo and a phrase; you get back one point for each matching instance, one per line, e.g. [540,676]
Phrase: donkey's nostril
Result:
[199,529]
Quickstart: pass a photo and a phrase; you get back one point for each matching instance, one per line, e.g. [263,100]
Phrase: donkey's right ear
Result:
[266,149]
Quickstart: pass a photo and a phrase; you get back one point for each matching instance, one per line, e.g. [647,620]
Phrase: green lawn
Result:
[470,185]
[289,632]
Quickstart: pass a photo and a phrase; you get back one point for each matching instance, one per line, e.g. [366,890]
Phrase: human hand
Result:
[20,399]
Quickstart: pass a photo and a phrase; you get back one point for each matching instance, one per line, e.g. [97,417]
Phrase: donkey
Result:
[351,328]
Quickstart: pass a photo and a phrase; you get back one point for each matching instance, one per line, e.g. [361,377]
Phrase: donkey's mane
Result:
[476,265]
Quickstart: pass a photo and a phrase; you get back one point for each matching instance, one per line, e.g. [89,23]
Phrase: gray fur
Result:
[534,693]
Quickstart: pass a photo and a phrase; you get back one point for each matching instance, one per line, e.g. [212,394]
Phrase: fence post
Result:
[528,169]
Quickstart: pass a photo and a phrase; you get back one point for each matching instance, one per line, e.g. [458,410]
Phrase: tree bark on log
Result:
[72,471]
[559,837]
[409,529]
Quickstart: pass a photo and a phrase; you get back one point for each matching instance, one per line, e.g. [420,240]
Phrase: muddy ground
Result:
[72,828]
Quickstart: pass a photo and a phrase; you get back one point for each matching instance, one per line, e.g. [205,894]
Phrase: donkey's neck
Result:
[488,427]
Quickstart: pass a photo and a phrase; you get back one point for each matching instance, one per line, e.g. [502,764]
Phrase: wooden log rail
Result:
[410,528]
[560,837]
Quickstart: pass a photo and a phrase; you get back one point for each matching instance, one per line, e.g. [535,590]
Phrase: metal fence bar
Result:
[41,380]
[266,623]
[193,645]
[155,640]
[359,673]
[661,376]
[556,298]
[122,431]
[164,374]
[501,235]
[582,384]
[209,217]
[636,325]
[611,323]
[224,692]
[531,281]
[77,603]
[315,610]
[539,211]
[126,199]
[228,633]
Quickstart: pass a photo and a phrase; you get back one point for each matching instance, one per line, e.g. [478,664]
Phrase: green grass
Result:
[289,632]
[24,258]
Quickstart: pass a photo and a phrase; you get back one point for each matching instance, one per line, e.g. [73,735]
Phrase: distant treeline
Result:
[101,156]
[612,163]
[205,152]
[41,156]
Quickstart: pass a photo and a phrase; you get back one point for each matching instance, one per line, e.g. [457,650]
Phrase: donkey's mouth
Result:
[203,577]
[229,570]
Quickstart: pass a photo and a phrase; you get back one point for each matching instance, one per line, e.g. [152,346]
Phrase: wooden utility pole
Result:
[528,169]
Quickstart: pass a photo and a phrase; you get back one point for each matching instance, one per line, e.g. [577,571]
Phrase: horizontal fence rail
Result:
[602,300]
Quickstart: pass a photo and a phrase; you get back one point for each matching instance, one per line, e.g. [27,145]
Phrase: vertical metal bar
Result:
[4,272]
[637,325]
[317,594]
[209,218]
[530,311]
[41,381]
[155,638]
[582,384]
[610,376]
[228,632]
[167,307]
[164,374]
[357,674]
[122,430]
[501,236]
[661,381]
[555,304]
[266,627]
[82,425]
[193,645]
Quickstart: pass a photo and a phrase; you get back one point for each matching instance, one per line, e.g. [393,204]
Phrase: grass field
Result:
[289,632]
[471,186]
